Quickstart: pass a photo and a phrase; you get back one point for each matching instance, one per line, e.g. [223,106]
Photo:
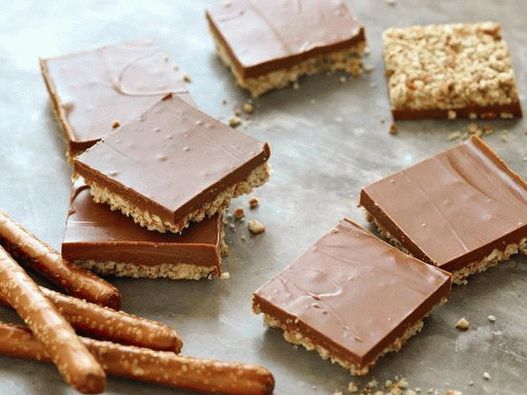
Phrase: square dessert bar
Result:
[172,165]
[96,91]
[352,297]
[269,44]
[463,210]
[111,244]
[448,71]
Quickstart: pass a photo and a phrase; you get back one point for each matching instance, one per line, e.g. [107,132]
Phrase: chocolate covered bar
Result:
[173,165]
[111,244]
[450,71]
[94,92]
[463,210]
[270,44]
[352,297]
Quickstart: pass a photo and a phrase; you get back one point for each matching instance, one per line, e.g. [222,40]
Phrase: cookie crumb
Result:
[402,384]
[225,275]
[352,387]
[255,227]
[343,79]
[296,86]
[470,383]
[393,129]
[486,376]
[452,114]
[187,78]
[234,121]
[334,230]
[453,392]
[254,202]
[463,324]
[116,124]
[390,2]
[248,108]
[238,213]
[368,68]
[454,136]
[491,318]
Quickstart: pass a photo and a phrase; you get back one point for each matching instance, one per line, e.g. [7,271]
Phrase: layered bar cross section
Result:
[173,165]
[270,44]
[109,243]
[352,297]
[463,210]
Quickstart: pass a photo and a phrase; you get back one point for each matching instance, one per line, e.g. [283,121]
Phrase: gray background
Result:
[327,142]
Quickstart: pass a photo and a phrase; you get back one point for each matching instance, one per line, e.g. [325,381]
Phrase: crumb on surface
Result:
[238,213]
[254,202]
[116,124]
[491,318]
[255,227]
[248,108]
[352,387]
[486,376]
[225,276]
[187,78]
[390,2]
[393,129]
[463,324]
[454,135]
[234,121]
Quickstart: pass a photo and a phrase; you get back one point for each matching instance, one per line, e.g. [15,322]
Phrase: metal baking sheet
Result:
[327,140]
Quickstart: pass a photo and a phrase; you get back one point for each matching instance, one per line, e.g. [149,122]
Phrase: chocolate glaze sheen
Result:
[452,209]
[353,293]
[262,36]
[95,88]
[172,159]
[95,232]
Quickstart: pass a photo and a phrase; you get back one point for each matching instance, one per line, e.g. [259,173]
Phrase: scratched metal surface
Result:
[327,142]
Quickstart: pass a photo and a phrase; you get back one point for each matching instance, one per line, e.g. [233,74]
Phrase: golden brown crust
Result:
[449,67]
[40,257]
[159,367]
[73,360]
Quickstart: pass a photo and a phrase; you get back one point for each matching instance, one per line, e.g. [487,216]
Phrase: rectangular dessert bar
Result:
[111,244]
[463,210]
[270,44]
[450,71]
[94,92]
[352,297]
[173,165]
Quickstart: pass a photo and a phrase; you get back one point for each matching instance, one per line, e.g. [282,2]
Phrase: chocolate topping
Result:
[454,208]
[95,91]
[352,293]
[171,160]
[265,36]
[95,232]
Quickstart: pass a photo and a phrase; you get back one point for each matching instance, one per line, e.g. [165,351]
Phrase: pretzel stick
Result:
[160,367]
[37,255]
[107,324]
[75,363]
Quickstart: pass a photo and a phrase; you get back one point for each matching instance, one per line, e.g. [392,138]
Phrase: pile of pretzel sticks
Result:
[116,343]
